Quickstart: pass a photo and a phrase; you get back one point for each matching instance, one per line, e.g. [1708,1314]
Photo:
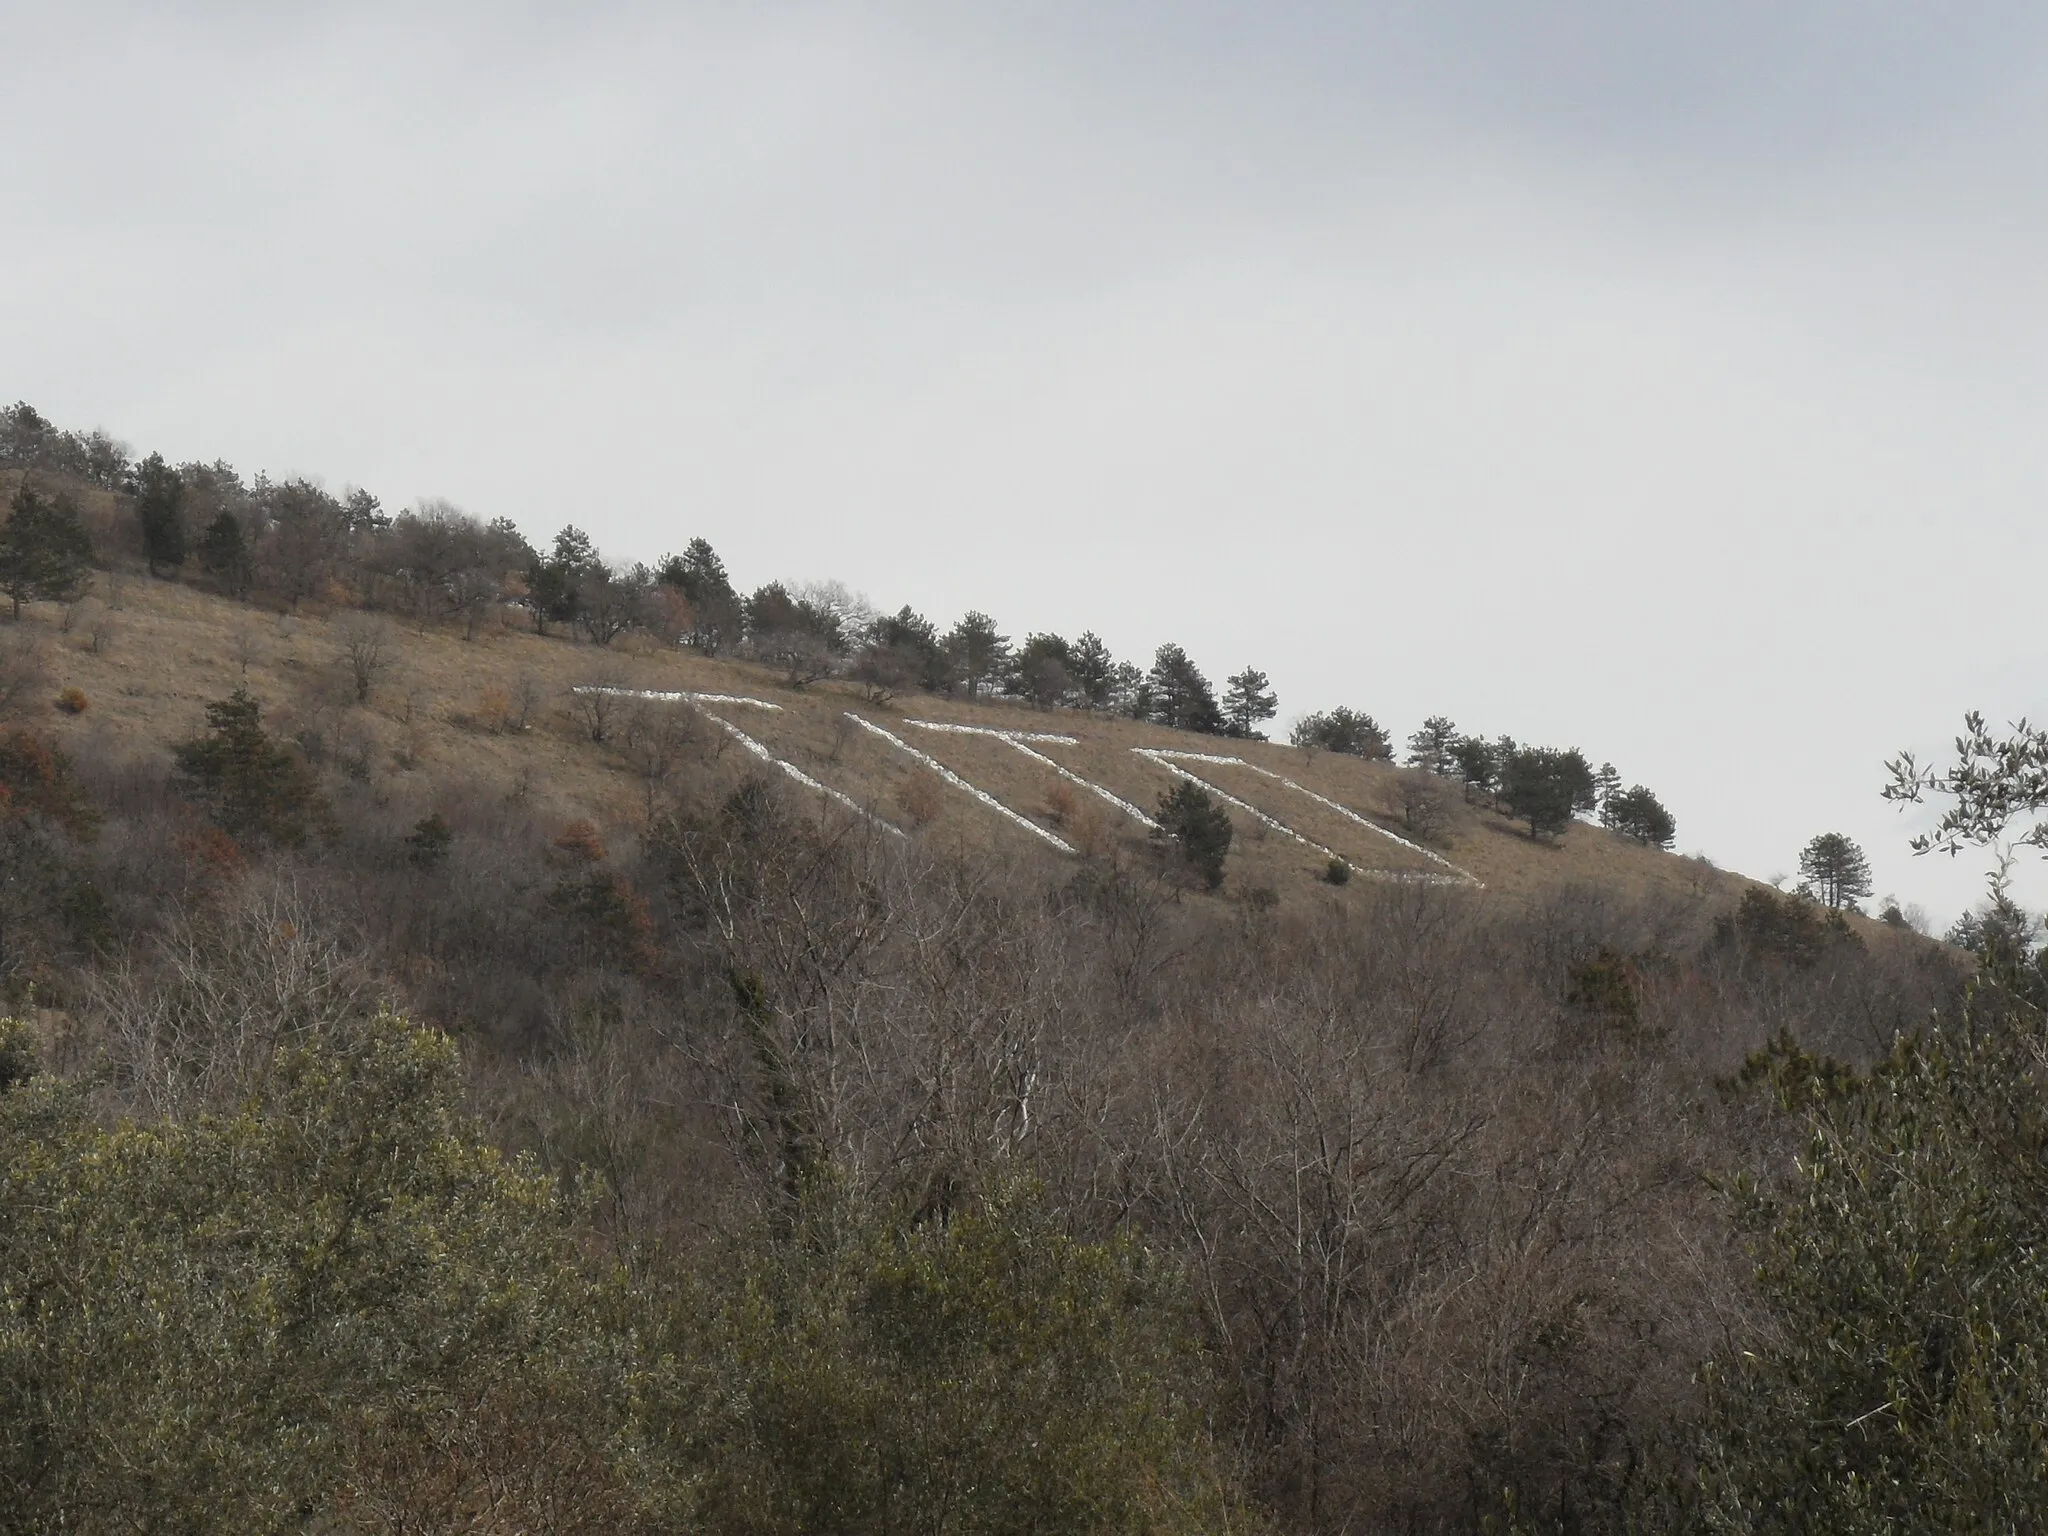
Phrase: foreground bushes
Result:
[340,1307]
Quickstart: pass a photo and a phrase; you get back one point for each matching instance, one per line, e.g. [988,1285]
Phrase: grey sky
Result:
[1662,379]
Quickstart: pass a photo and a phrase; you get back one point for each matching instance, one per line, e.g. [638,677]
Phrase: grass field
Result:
[449,719]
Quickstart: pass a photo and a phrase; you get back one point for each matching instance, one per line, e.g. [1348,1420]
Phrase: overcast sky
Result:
[1667,380]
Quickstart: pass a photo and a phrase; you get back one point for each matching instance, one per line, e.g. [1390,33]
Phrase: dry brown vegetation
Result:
[1432,1161]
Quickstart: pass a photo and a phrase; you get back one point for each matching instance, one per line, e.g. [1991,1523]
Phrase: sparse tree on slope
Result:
[44,550]
[224,554]
[1182,699]
[980,656]
[160,509]
[1474,759]
[1430,748]
[1043,674]
[1342,730]
[700,576]
[1093,670]
[1248,700]
[1835,871]
[1545,787]
[1198,827]
[1638,814]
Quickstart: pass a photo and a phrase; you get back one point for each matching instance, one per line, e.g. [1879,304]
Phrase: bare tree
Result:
[22,672]
[368,650]
[596,705]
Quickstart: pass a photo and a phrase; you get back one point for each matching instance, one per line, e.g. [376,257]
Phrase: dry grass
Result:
[452,718]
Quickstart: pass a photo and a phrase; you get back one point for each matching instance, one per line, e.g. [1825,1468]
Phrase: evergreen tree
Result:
[1342,730]
[44,550]
[1430,748]
[911,636]
[1544,787]
[1198,827]
[1638,814]
[1248,699]
[554,584]
[1130,695]
[364,513]
[160,508]
[1181,698]
[980,656]
[224,554]
[1834,870]
[1041,672]
[250,784]
[715,608]
[1606,784]
[1899,1383]
[1474,759]
[1093,671]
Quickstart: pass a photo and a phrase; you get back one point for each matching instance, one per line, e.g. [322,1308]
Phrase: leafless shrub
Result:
[597,704]
[922,796]
[368,650]
[22,672]
[1424,804]
[192,1019]
[245,649]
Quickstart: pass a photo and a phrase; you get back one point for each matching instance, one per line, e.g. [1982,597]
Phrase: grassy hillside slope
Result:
[450,721]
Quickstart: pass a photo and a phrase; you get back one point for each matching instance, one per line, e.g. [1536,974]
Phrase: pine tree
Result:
[1200,829]
[1342,730]
[1182,699]
[1636,813]
[251,785]
[160,508]
[1092,669]
[1248,699]
[1543,786]
[1834,871]
[980,656]
[1430,748]
[1606,784]
[44,550]
[224,553]
[1474,759]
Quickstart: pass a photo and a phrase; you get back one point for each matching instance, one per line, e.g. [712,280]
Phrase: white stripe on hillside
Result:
[1018,740]
[959,783]
[1403,877]
[674,698]
[740,736]
[799,775]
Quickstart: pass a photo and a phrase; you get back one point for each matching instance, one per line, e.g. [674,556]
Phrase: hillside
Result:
[443,726]
[615,1087]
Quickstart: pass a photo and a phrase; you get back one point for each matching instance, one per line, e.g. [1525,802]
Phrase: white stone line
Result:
[674,698]
[1161,754]
[740,736]
[1018,740]
[1066,773]
[1167,761]
[799,775]
[989,730]
[959,783]
[1463,876]
[1170,761]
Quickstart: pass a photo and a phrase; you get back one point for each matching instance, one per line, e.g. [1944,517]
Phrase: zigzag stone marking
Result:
[1457,876]
[957,782]
[757,749]
[1020,739]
